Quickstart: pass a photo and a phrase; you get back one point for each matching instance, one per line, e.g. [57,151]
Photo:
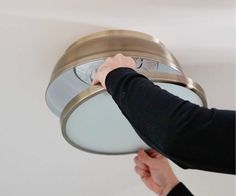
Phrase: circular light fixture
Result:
[90,119]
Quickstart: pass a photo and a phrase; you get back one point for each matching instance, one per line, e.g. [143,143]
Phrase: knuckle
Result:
[131,59]
[119,56]
[144,156]
[135,159]
[108,60]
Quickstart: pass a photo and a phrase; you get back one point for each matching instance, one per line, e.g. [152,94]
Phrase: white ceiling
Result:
[34,157]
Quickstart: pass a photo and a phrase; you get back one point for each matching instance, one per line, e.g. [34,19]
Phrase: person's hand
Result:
[110,64]
[155,172]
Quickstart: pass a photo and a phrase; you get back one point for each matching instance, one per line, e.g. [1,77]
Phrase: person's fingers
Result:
[108,61]
[140,164]
[128,60]
[154,154]
[111,63]
[119,60]
[132,62]
[145,158]
[119,56]
[95,80]
[142,173]
[101,72]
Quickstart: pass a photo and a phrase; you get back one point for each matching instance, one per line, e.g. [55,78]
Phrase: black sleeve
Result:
[180,190]
[191,136]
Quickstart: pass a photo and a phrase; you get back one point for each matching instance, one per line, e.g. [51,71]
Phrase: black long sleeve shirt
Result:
[180,190]
[191,136]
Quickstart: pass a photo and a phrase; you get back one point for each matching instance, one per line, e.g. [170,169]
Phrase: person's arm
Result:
[191,136]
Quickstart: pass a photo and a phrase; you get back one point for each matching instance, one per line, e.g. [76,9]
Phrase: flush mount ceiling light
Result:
[90,119]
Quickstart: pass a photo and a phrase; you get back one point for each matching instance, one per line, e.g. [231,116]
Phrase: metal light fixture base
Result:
[90,120]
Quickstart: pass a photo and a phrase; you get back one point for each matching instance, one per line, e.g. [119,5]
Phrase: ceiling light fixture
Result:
[90,119]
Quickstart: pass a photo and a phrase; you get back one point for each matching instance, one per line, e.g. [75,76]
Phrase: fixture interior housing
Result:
[90,119]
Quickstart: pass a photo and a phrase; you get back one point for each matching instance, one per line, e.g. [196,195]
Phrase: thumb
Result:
[95,80]
[145,158]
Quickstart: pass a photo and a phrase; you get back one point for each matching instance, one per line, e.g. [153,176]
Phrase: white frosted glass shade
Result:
[98,125]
